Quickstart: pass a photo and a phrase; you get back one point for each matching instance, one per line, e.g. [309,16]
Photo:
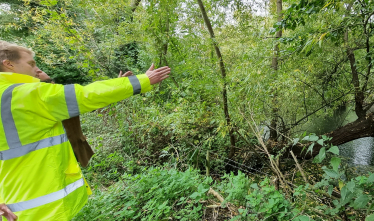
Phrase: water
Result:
[359,151]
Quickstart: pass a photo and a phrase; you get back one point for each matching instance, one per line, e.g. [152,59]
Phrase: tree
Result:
[223,73]
[352,32]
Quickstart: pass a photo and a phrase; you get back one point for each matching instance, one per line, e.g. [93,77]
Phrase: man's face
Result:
[25,65]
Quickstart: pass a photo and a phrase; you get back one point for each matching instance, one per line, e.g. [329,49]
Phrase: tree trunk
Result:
[223,73]
[134,5]
[164,45]
[359,95]
[362,127]
[274,64]
[164,50]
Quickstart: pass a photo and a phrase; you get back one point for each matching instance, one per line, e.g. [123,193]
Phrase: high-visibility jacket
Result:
[39,175]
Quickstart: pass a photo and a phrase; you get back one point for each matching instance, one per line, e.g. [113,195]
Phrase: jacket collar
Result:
[15,78]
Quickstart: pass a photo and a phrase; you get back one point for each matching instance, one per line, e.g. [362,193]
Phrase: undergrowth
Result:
[147,170]
[169,194]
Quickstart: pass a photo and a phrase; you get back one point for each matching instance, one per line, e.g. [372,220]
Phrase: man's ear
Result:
[8,64]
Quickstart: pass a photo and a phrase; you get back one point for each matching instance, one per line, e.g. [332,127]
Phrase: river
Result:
[359,152]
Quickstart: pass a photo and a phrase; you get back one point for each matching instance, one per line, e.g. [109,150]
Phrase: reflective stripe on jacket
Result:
[39,175]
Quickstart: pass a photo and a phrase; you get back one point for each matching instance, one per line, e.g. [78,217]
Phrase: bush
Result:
[155,194]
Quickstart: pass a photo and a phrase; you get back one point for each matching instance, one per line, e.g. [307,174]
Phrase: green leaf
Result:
[163,205]
[313,137]
[351,186]
[361,202]
[201,188]
[320,142]
[335,162]
[306,138]
[343,193]
[334,150]
[370,217]
[242,211]
[321,156]
[370,179]
[295,141]
[195,195]
[310,148]
[254,186]
[304,218]
[49,3]
[331,173]
[331,188]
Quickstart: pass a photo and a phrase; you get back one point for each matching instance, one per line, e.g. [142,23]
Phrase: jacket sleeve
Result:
[59,102]
[83,99]
[1,200]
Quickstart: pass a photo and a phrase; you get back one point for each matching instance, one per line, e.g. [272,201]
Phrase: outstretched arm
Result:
[60,102]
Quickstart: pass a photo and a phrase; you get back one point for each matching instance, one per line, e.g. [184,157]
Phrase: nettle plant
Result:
[354,196]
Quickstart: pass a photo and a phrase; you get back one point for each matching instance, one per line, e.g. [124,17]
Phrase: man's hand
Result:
[5,211]
[129,73]
[158,75]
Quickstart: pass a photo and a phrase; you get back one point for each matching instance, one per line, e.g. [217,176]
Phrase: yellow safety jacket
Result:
[39,175]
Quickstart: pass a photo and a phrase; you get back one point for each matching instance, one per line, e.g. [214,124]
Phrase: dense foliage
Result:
[285,70]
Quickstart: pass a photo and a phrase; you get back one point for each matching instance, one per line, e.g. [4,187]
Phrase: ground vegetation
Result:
[227,136]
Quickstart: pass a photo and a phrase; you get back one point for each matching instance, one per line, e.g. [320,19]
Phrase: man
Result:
[82,150]
[39,175]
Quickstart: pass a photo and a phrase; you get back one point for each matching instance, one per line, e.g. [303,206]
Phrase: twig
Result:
[273,165]
[217,195]
[299,167]
[221,199]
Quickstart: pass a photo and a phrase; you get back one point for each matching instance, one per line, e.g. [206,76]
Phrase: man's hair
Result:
[11,52]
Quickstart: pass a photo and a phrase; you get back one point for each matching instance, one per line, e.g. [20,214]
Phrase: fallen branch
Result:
[231,207]
[217,195]
[299,167]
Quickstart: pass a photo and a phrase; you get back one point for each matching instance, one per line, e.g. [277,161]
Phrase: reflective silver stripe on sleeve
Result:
[71,100]
[23,150]
[10,129]
[135,84]
[11,134]
[49,198]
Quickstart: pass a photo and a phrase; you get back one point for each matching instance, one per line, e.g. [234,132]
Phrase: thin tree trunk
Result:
[359,95]
[207,164]
[164,45]
[223,73]
[274,65]
[164,51]
[134,5]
